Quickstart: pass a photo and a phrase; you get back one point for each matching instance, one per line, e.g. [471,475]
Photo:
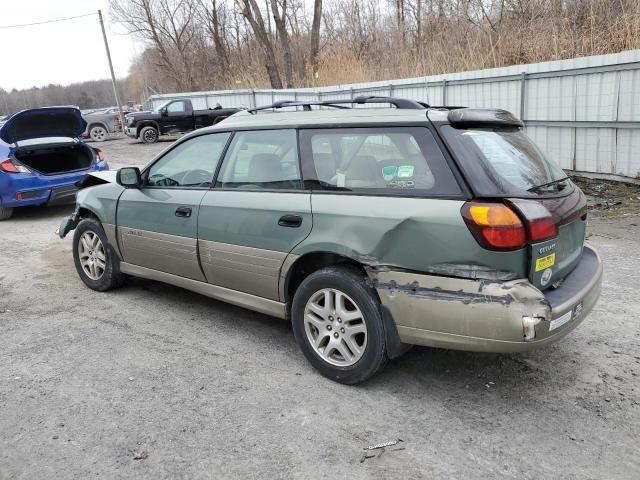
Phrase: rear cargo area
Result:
[54,159]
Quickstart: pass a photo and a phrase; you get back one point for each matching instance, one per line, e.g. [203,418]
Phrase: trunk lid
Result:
[553,259]
[502,164]
[43,123]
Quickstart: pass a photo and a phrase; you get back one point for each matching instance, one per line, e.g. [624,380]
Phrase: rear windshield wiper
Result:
[548,184]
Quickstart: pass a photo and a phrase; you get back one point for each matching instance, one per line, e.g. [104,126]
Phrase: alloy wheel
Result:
[98,134]
[92,255]
[335,327]
[150,136]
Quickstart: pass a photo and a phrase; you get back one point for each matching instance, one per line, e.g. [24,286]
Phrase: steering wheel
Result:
[196,177]
[160,180]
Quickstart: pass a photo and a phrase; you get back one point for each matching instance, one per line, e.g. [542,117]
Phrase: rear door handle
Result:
[292,221]
[183,212]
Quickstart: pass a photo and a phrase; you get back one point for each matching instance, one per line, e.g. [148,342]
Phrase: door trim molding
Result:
[246,300]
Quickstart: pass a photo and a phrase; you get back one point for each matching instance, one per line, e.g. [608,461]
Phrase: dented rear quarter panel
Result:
[425,235]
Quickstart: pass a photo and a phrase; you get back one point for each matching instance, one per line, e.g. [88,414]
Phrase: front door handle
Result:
[292,221]
[183,212]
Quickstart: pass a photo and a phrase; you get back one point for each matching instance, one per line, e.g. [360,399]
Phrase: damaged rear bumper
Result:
[485,315]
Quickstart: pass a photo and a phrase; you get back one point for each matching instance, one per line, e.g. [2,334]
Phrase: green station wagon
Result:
[371,224]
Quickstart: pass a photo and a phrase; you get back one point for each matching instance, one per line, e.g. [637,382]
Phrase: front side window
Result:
[191,164]
[393,159]
[176,107]
[265,159]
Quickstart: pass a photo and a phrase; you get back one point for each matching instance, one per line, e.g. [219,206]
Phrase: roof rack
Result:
[400,103]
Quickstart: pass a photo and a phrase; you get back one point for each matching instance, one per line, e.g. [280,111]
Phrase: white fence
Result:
[584,112]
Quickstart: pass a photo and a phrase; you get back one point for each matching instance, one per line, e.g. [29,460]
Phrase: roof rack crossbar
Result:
[294,103]
[400,103]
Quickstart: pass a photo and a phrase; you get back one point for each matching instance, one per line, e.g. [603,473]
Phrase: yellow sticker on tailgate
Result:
[545,262]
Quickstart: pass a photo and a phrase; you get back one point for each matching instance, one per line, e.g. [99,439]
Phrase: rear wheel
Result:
[338,326]
[94,258]
[5,212]
[98,133]
[149,135]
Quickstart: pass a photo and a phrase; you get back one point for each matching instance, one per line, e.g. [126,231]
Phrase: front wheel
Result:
[96,263]
[338,326]
[149,135]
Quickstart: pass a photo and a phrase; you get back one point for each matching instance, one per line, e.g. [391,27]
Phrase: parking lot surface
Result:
[151,381]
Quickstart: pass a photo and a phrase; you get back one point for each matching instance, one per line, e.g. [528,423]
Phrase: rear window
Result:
[397,160]
[503,161]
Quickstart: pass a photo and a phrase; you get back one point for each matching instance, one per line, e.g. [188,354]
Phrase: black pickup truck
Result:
[177,116]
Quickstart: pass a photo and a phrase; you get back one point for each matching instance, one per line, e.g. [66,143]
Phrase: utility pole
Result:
[113,76]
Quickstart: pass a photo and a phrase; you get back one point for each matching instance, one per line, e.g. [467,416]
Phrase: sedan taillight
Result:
[10,166]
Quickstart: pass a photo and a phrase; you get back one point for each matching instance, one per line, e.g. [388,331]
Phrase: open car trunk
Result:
[55,159]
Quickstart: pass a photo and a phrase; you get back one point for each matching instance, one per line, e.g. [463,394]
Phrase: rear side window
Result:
[265,159]
[399,160]
[503,161]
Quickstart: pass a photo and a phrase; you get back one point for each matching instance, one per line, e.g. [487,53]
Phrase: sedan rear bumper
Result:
[21,190]
[489,316]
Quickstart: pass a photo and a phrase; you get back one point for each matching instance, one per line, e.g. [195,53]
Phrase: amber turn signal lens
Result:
[494,215]
[495,226]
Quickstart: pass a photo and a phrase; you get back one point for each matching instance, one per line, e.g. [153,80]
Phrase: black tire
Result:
[5,212]
[149,135]
[98,133]
[111,276]
[353,283]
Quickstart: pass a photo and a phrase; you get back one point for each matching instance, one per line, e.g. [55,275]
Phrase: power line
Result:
[47,21]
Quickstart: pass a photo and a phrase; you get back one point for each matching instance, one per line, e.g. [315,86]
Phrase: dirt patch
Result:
[610,199]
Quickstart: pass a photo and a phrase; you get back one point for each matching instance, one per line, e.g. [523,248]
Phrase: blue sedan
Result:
[42,157]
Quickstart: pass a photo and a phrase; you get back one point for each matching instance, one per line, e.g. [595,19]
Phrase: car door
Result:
[158,223]
[179,117]
[256,214]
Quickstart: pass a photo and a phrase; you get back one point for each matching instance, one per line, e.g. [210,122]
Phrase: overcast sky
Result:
[64,52]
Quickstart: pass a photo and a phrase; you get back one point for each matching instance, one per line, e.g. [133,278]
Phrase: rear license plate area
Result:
[566,318]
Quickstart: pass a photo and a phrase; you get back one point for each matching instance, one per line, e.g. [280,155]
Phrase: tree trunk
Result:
[315,38]
[218,41]
[280,19]
[251,12]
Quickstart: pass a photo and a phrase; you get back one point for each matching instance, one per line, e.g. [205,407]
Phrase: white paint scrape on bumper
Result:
[483,315]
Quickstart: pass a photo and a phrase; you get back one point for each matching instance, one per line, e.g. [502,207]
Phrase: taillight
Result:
[9,166]
[495,226]
[539,222]
[100,155]
[542,229]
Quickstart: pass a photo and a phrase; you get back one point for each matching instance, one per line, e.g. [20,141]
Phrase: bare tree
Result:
[169,26]
[280,18]
[215,20]
[251,12]
[315,38]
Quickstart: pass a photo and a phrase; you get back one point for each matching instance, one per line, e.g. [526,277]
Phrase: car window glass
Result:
[266,159]
[176,107]
[190,164]
[392,159]
[501,160]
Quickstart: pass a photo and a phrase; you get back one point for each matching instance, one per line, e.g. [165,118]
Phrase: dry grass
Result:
[453,49]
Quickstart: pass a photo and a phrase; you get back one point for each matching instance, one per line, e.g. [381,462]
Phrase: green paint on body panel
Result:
[416,234]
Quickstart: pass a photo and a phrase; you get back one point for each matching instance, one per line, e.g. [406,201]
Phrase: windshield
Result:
[504,161]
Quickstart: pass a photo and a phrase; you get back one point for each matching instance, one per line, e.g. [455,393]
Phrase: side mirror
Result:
[163,112]
[129,177]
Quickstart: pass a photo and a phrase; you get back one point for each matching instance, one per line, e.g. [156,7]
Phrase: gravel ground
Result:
[151,381]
